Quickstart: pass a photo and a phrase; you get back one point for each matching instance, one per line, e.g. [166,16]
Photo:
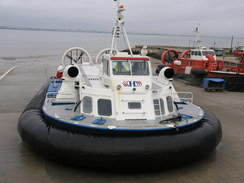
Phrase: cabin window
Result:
[199,53]
[170,103]
[104,107]
[87,104]
[140,67]
[192,52]
[158,105]
[121,67]
[134,105]
[208,52]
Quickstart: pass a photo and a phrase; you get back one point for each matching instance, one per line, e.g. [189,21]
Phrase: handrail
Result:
[53,95]
[186,96]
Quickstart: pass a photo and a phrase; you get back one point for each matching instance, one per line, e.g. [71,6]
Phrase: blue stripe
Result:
[186,116]
[63,103]
[121,129]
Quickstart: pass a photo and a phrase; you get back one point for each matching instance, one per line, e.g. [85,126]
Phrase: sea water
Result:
[27,43]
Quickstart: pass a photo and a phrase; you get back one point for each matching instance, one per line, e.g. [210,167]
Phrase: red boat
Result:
[196,64]
[238,51]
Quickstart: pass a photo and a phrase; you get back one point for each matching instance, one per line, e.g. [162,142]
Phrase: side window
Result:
[104,107]
[170,104]
[157,107]
[212,53]
[87,104]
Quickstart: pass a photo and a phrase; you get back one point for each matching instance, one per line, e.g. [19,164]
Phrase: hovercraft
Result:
[200,62]
[113,113]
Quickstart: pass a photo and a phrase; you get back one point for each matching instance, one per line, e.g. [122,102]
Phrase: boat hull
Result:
[92,148]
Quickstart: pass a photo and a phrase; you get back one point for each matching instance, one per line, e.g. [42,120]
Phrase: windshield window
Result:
[121,67]
[133,67]
[208,52]
[140,68]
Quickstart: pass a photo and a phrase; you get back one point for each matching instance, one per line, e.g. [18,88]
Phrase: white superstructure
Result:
[200,53]
[118,87]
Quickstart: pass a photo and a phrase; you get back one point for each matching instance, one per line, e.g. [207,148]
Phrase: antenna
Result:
[119,25]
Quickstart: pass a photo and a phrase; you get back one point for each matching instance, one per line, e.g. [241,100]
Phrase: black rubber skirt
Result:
[99,149]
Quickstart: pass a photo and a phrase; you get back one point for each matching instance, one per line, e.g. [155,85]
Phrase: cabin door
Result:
[131,106]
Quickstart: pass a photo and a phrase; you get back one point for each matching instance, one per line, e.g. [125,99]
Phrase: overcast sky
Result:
[216,17]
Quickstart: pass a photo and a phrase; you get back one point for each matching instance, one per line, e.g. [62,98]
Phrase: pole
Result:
[113,44]
[231,44]
[127,40]
[197,36]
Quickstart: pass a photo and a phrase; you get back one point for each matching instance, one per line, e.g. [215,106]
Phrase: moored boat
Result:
[198,63]
[113,113]
[238,51]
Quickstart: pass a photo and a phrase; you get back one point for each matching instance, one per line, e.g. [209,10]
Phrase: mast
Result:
[119,26]
[197,41]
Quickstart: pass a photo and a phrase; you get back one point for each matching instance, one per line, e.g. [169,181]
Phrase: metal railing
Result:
[53,95]
[186,96]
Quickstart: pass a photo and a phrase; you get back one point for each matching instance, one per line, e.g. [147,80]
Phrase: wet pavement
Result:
[20,164]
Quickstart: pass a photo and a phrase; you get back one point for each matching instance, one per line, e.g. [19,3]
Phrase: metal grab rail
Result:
[53,96]
[55,93]
[185,96]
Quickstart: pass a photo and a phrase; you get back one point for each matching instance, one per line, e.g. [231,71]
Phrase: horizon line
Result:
[107,32]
